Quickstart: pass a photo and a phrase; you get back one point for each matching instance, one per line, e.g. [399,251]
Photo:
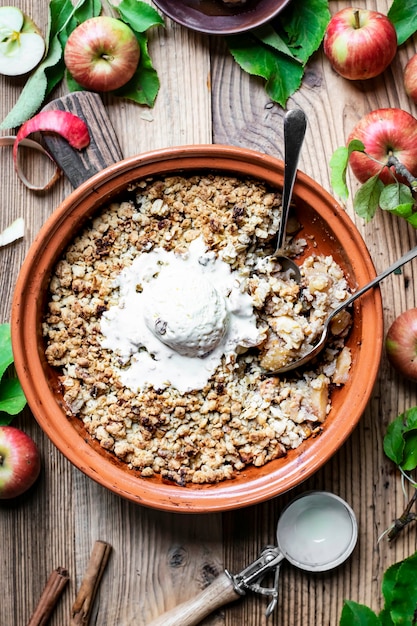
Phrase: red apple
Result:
[410,78]
[20,463]
[102,53]
[401,344]
[384,132]
[360,43]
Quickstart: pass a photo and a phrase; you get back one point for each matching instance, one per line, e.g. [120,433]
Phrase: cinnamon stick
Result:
[50,596]
[82,607]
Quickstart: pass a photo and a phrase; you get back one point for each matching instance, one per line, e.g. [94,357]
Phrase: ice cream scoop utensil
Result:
[295,124]
[316,532]
[318,347]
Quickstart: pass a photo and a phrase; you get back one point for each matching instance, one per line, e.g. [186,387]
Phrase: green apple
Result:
[21,44]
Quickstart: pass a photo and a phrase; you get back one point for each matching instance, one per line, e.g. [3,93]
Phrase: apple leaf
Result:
[305,26]
[400,592]
[366,200]
[354,614]
[279,52]
[12,399]
[400,441]
[283,74]
[403,14]
[399,588]
[394,195]
[6,354]
[397,198]
[139,15]
[338,165]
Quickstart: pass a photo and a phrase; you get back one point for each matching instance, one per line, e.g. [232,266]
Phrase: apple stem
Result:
[402,171]
[1,460]
[356,16]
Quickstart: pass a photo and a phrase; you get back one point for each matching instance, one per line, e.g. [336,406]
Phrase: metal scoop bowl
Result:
[316,532]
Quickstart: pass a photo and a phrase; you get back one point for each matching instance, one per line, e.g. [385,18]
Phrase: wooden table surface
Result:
[160,559]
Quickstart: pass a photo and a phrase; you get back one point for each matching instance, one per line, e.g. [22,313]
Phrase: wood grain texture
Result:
[161,559]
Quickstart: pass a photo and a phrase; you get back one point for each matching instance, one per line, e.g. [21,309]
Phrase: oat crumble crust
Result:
[241,417]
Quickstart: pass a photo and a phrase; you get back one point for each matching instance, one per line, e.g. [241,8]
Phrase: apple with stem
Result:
[384,133]
[20,463]
[360,43]
[21,44]
[410,78]
[401,344]
[102,53]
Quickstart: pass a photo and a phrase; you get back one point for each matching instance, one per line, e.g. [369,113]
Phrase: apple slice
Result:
[21,43]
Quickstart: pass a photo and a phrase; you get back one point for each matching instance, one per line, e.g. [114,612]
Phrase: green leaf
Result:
[398,199]
[354,614]
[394,195]
[87,9]
[12,398]
[305,23]
[401,438]
[388,591]
[268,36]
[403,14]
[278,52]
[338,167]
[6,354]
[366,200]
[403,596]
[139,15]
[283,74]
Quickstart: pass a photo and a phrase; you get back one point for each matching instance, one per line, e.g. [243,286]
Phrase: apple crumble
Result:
[165,316]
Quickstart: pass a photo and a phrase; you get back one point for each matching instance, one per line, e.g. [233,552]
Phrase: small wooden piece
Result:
[192,612]
[50,596]
[104,148]
[82,607]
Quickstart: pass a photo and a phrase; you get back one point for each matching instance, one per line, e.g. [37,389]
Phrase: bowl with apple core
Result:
[220,17]
[323,228]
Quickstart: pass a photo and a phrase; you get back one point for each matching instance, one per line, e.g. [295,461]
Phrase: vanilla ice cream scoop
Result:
[177,316]
[186,313]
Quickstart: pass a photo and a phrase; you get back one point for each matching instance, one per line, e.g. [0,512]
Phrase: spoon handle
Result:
[295,123]
[411,254]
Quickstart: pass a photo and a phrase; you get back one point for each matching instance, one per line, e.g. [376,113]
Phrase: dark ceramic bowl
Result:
[329,231]
[215,18]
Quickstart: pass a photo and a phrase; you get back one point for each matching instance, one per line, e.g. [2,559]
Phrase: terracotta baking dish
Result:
[331,231]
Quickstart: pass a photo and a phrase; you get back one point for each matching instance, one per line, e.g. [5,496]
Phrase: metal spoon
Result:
[314,351]
[295,123]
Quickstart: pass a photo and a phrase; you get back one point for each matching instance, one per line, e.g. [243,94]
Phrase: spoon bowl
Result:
[318,347]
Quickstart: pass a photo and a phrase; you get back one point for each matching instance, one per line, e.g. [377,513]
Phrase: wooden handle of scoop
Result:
[104,148]
[190,613]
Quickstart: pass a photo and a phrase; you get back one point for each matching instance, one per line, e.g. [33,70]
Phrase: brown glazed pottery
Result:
[331,232]
[214,17]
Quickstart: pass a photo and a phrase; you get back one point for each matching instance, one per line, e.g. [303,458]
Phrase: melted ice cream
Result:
[177,316]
